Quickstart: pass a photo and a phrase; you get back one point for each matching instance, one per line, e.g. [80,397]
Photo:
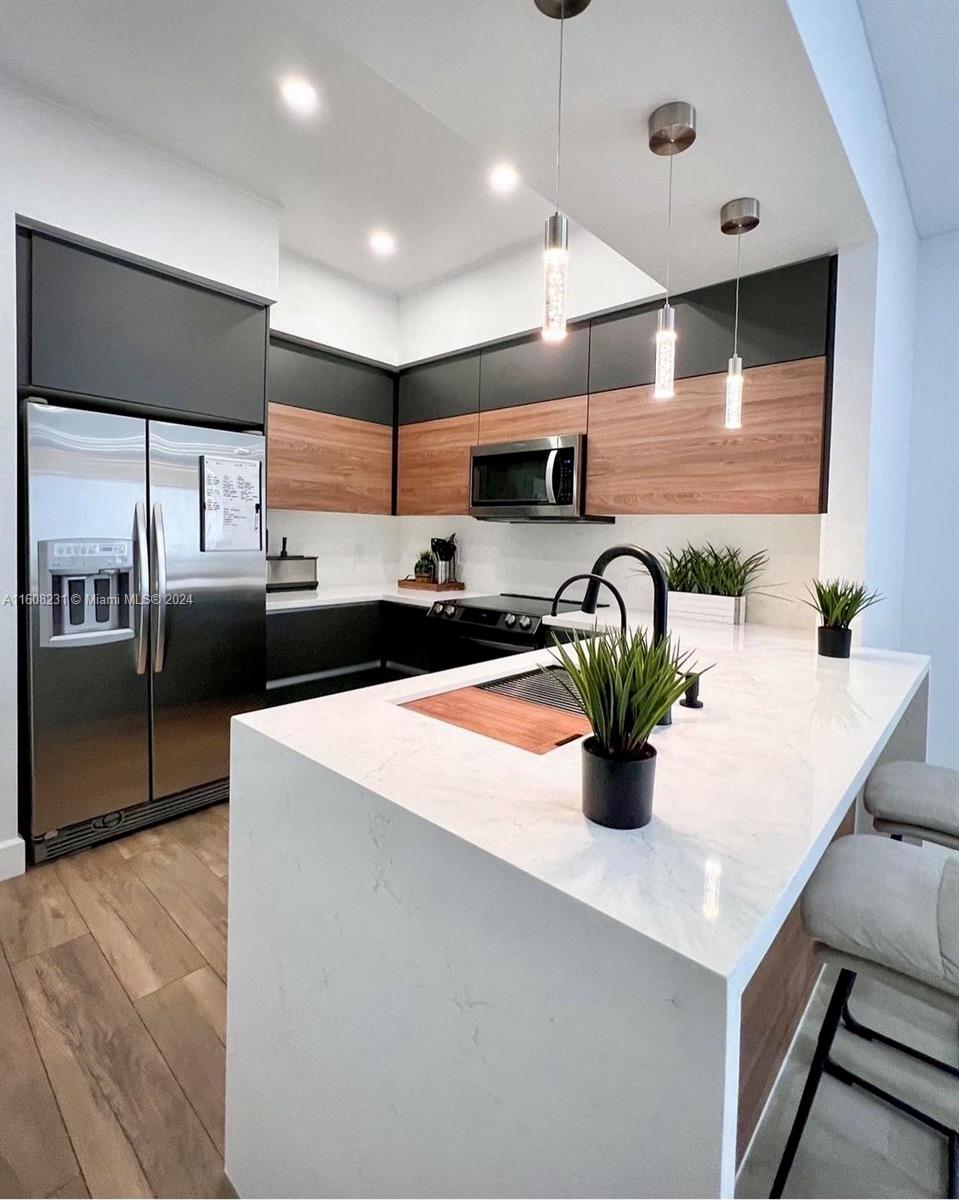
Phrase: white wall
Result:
[930,610]
[71,173]
[537,558]
[318,303]
[504,297]
[843,539]
[874,329]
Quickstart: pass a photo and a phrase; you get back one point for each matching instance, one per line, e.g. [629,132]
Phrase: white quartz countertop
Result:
[749,789]
[329,597]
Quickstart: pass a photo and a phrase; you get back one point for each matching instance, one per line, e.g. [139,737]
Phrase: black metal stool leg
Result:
[827,1033]
[873,1035]
[953,1174]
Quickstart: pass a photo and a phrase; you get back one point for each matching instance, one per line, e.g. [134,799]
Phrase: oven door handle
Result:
[509,646]
[550,472]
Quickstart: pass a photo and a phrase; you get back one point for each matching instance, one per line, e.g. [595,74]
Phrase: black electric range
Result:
[477,628]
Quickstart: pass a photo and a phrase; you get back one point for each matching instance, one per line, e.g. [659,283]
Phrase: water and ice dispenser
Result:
[88,586]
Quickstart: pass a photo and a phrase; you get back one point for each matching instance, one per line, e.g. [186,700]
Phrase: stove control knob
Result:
[524,622]
[449,610]
[509,620]
[438,607]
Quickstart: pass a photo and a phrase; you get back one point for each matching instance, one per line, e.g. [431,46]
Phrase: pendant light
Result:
[556,248]
[736,218]
[672,129]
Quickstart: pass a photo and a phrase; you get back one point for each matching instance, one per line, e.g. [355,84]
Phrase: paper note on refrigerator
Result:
[231,503]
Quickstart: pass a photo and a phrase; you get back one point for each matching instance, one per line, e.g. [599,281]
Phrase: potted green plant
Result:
[423,570]
[626,683]
[710,583]
[838,602]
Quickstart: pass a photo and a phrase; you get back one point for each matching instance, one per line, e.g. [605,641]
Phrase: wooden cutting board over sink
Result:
[538,728]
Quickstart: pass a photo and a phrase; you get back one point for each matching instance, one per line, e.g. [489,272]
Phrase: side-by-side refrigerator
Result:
[145,624]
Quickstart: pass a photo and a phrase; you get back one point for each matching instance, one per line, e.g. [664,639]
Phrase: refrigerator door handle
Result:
[141,586]
[159,589]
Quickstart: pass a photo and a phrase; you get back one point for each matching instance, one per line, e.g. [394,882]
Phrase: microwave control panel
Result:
[564,478]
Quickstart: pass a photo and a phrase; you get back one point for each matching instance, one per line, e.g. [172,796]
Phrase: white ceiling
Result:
[915,46]
[420,96]
[199,78]
[764,129]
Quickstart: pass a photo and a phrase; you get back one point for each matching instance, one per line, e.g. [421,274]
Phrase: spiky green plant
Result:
[839,601]
[713,571]
[626,683]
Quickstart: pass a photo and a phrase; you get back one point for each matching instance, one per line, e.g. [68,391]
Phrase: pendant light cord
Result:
[669,223]
[739,251]
[559,98]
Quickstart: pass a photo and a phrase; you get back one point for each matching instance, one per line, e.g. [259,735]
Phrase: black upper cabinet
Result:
[306,377]
[447,388]
[783,315]
[23,306]
[527,371]
[111,329]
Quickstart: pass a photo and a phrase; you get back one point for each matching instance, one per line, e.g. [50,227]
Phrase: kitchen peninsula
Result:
[442,977]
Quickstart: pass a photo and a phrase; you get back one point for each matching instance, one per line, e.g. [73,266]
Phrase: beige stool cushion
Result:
[889,905]
[914,797]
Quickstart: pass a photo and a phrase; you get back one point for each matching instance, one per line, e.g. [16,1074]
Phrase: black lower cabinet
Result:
[322,651]
[408,645]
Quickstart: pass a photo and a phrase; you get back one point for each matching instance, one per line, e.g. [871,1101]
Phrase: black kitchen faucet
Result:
[652,565]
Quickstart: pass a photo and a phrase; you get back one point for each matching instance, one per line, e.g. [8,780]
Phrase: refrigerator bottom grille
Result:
[127,820]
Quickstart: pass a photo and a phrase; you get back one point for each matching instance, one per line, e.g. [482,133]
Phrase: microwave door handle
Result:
[159,589]
[550,474]
[141,586]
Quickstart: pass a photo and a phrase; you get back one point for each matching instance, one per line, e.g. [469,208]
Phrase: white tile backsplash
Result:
[538,557]
[351,548]
[356,549]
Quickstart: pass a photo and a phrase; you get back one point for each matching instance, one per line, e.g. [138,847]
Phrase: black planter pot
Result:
[834,643]
[618,792]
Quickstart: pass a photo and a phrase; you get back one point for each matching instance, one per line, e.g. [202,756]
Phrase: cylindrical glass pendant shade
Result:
[665,353]
[734,393]
[555,269]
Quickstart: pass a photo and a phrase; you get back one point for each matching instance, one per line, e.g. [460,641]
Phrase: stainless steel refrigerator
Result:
[145,627]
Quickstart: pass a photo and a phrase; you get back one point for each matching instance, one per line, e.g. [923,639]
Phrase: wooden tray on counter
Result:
[534,727]
[424,585]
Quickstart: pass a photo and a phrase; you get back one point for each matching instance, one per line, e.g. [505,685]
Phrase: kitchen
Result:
[272,451]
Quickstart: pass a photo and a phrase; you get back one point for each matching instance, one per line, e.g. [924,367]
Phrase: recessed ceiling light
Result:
[300,95]
[382,242]
[503,178]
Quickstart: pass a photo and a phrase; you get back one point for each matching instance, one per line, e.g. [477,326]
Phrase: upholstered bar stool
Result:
[912,799]
[882,908]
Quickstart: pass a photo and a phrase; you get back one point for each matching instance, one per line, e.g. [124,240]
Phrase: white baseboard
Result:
[12,857]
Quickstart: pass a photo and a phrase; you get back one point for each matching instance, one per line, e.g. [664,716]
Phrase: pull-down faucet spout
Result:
[652,565]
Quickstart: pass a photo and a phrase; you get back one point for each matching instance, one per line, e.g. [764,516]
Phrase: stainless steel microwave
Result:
[539,480]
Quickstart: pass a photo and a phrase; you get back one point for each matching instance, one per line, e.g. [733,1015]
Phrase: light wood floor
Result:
[112,1014]
[112,1017]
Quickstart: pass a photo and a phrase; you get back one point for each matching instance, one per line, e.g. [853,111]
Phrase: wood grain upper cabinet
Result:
[320,462]
[675,456]
[551,418]
[433,465]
